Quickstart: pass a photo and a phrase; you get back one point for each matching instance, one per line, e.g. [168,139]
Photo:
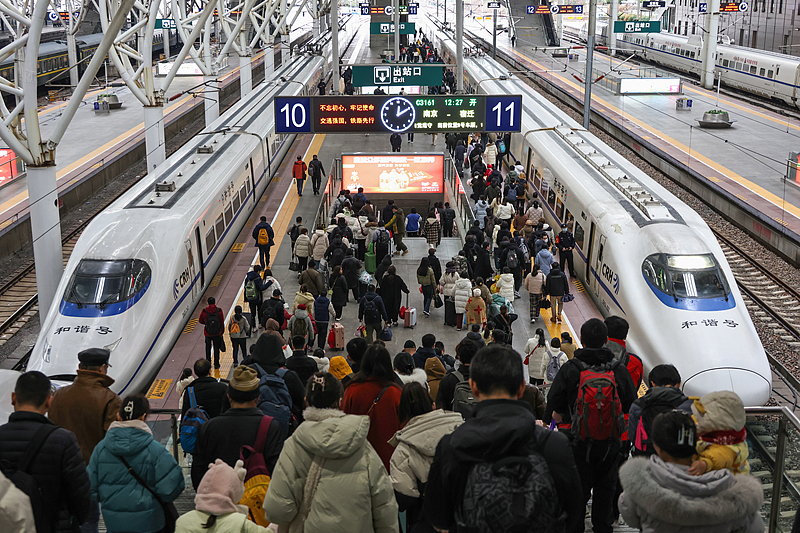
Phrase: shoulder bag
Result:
[170,512]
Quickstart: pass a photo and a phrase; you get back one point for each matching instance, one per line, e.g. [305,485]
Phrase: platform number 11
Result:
[503,113]
[498,109]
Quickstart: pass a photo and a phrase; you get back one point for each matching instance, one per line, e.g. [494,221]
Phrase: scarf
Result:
[725,437]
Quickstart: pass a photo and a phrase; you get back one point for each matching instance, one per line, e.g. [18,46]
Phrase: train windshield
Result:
[686,276]
[100,282]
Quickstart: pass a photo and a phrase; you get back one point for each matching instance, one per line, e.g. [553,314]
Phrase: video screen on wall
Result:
[393,173]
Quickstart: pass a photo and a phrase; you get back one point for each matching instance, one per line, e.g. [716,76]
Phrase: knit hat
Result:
[245,379]
[302,306]
[476,292]
[339,367]
[719,411]
[221,488]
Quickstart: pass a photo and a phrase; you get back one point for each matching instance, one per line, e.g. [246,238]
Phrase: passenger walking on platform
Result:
[16,511]
[132,474]
[544,260]
[398,227]
[265,238]
[351,267]
[361,233]
[294,231]
[660,494]
[208,392]
[462,292]
[556,285]
[566,243]
[319,244]
[396,141]
[448,220]
[534,284]
[213,321]
[317,171]
[339,288]
[415,444]
[254,288]
[434,262]
[299,173]
[535,350]
[373,392]
[617,334]
[553,360]
[239,330]
[413,223]
[372,313]
[427,281]
[272,308]
[391,289]
[51,454]
[300,325]
[303,297]
[324,313]
[241,425]
[431,229]
[406,372]
[313,280]
[568,345]
[336,252]
[184,380]
[501,427]
[300,362]
[302,248]
[346,487]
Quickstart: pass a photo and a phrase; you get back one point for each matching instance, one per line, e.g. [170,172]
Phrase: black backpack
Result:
[24,481]
[270,312]
[512,260]
[371,313]
[213,325]
[642,445]
[337,256]
[294,233]
[513,494]
[383,237]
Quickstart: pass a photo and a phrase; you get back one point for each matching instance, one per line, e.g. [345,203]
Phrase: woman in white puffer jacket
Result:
[505,285]
[462,292]
[448,280]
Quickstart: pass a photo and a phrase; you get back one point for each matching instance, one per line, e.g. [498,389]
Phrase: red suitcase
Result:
[336,336]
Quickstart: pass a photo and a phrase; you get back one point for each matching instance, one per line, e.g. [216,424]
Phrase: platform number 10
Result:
[293,114]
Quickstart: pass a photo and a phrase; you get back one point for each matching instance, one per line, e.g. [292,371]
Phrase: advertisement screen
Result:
[650,86]
[393,173]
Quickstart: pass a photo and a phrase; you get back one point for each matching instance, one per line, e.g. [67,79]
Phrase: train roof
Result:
[92,39]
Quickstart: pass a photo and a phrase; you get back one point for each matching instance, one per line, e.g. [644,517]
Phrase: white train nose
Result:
[754,389]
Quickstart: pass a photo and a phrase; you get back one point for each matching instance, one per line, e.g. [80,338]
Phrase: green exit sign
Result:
[369,75]
[637,26]
[165,24]
[387,28]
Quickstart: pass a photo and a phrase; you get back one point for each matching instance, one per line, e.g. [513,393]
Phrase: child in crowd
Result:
[721,435]
[184,381]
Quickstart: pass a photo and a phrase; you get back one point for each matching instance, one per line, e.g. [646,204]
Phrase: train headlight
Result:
[46,351]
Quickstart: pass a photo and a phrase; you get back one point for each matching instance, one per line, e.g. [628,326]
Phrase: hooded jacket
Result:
[353,493]
[305,298]
[435,371]
[462,292]
[544,260]
[302,314]
[302,246]
[556,283]
[491,154]
[209,394]
[381,269]
[719,416]
[535,283]
[268,353]
[431,229]
[505,286]
[417,376]
[319,243]
[210,310]
[126,505]
[662,497]
[668,395]
[504,210]
[448,282]
[16,514]
[498,429]
[533,355]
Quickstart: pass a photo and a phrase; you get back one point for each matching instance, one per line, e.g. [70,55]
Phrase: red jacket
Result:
[211,309]
[384,422]
[299,170]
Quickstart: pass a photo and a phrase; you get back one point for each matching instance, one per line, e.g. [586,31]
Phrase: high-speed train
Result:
[641,253]
[140,268]
[763,73]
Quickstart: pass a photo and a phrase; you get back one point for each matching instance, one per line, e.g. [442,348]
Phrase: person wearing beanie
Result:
[129,447]
[224,436]
[660,493]
[343,485]
[339,367]
[216,505]
[722,438]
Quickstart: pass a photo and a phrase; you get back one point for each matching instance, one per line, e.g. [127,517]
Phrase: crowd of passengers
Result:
[418,441]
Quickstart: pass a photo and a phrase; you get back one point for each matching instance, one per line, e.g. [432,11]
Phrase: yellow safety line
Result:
[757,189]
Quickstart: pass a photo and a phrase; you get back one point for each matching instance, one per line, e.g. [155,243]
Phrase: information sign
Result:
[637,26]
[493,5]
[424,75]
[539,10]
[653,4]
[369,9]
[702,7]
[733,7]
[165,24]
[568,9]
[397,113]
[387,28]
[393,173]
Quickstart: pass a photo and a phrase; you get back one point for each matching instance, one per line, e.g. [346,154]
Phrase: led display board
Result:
[393,173]
[650,86]
[396,113]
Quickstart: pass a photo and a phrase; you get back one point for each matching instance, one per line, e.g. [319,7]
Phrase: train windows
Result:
[236,203]
[220,226]
[228,215]
[761,72]
[559,208]
[243,192]
[738,66]
[686,276]
[551,198]
[537,181]
[211,240]
[579,235]
[769,74]
[724,63]
[753,69]
[102,282]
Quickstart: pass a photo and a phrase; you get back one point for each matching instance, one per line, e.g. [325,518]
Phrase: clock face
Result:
[398,114]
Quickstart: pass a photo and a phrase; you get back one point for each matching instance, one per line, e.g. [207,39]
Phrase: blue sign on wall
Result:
[503,113]
[293,115]
[703,7]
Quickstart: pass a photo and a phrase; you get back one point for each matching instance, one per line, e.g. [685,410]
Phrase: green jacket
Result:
[354,493]
[428,279]
[398,223]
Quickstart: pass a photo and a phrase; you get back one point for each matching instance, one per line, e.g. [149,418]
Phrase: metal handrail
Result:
[173,422]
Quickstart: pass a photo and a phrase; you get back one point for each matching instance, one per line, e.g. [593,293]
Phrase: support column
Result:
[709,49]
[46,232]
[335,46]
[612,37]
[166,34]
[211,99]
[72,59]
[460,46]
[315,28]
[587,95]
[245,74]
[154,136]
[285,39]
[494,33]
[396,20]
[269,59]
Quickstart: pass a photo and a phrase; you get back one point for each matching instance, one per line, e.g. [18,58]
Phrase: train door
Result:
[597,264]
[191,267]
[199,260]
[795,95]
[253,180]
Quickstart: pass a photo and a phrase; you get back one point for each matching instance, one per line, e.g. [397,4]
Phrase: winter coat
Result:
[209,394]
[535,284]
[270,285]
[360,230]
[504,211]
[415,446]
[476,310]
[462,291]
[412,222]
[544,260]
[670,395]
[323,309]
[350,268]
[193,522]
[534,353]
[551,352]
[302,246]
[481,209]
[505,286]
[353,493]
[180,387]
[556,283]
[58,468]
[126,505]
[313,281]
[397,223]
[491,154]
[569,349]
[534,214]
[460,150]
[304,298]
[417,376]
[302,315]
[391,291]
[428,279]
[339,288]
[382,313]
[87,408]
[359,397]
[448,283]
[435,371]
[661,497]
[381,269]
[431,231]
[16,514]
[319,243]
[244,327]
[303,365]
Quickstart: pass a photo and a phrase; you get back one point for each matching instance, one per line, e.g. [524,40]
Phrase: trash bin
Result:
[683,104]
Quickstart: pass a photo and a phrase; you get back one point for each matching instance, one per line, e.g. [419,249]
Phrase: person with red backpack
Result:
[212,318]
[587,399]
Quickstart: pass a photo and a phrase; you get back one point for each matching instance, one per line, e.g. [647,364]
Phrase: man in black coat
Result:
[435,264]
[556,285]
[396,140]
[597,461]
[224,436]
[350,268]
[273,308]
[299,361]
[483,267]
[57,467]
[208,392]
[501,426]
[448,218]
[316,171]
[477,232]
[387,212]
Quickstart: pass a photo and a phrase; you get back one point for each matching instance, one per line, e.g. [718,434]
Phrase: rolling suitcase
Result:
[336,336]
[370,261]
[410,316]
[449,312]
